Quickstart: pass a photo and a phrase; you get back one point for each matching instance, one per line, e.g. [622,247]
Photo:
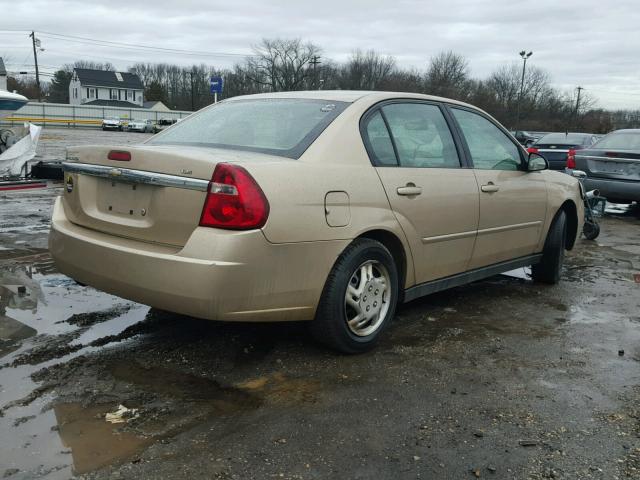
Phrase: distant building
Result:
[3,76]
[105,89]
[156,106]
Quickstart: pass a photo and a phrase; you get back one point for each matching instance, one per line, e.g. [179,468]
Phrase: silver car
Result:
[612,166]
[144,126]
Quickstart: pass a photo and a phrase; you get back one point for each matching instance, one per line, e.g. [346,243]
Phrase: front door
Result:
[434,199]
[512,200]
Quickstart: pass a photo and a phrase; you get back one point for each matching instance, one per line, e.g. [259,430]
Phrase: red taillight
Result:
[234,200]
[571,158]
[119,155]
[532,150]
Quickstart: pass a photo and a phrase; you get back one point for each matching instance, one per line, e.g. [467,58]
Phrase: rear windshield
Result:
[283,126]
[565,139]
[620,141]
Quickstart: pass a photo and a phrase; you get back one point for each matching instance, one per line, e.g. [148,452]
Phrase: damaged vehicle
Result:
[112,123]
[326,206]
[612,166]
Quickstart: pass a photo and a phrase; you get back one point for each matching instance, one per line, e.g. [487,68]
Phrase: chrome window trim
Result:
[136,176]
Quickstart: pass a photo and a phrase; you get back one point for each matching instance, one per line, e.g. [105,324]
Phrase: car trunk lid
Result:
[156,196]
[611,164]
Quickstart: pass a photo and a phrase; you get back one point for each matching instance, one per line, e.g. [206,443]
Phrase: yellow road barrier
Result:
[52,120]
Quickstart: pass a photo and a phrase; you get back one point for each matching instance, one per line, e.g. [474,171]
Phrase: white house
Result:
[105,89]
[3,76]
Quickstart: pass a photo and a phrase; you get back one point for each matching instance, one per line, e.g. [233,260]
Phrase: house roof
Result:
[156,105]
[111,103]
[3,71]
[103,78]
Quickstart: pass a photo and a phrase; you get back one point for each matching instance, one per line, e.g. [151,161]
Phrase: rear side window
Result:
[490,147]
[621,141]
[277,126]
[380,146]
[422,136]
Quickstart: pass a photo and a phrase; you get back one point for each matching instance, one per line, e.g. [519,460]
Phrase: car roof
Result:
[349,96]
[566,134]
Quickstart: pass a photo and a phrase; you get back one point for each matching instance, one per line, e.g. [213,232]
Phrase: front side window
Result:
[422,136]
[489,146]
[277,126]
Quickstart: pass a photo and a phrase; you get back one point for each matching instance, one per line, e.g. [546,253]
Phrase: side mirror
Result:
[536,163]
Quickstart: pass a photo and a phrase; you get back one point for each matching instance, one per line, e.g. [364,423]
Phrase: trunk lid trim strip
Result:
[136,176]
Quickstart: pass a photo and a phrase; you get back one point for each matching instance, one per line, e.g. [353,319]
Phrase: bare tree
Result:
[366,71]
[90,65]
[505,84]
[447,75]
[282,65]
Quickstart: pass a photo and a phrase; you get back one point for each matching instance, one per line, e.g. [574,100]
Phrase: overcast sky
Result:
[591,43]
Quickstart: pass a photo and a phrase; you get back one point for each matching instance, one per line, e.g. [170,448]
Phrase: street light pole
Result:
[578,106]
[525,56]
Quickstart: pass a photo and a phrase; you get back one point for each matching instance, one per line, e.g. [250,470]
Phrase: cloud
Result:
[584,43]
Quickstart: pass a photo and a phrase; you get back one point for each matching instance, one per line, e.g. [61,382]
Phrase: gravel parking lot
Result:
[500,379]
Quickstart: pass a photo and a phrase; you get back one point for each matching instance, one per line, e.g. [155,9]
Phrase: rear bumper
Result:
[217,275]
[616,189]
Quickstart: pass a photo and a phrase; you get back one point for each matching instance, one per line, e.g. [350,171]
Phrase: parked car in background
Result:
[525,138]
[144,126]
[612,166]
[112,123]
[556,147]
[326,206]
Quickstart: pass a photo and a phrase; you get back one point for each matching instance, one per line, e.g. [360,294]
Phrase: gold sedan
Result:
[331,207]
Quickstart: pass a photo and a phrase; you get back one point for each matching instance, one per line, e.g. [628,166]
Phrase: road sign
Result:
[216,84]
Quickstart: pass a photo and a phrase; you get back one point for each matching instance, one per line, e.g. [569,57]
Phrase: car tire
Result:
[591,230]
[550,267]
[359,298]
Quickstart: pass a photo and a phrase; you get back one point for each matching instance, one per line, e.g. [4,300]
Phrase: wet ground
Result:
[500,379]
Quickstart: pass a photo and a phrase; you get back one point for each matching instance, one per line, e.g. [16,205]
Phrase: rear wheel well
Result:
[571,212]
[395,247]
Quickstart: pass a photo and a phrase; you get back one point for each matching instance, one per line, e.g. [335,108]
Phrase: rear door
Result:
[512,201]
[434,198]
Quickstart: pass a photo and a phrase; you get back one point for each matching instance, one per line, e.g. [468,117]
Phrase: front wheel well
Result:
[571,212]
[395,247]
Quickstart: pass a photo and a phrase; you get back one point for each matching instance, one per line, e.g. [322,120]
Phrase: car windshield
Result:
[620,140]
[565,139]
[282,126]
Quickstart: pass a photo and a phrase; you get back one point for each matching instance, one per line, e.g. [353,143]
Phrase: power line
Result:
[134,46]
[635,94]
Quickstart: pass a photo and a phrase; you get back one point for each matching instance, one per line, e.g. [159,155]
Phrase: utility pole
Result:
[578,105]
[314,61]
[35,59]
[525,56]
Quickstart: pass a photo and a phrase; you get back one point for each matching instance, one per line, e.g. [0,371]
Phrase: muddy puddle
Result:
[90,440]
[47,319]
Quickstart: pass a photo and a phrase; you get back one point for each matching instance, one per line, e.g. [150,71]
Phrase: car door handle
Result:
[409,189]
[489,188]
